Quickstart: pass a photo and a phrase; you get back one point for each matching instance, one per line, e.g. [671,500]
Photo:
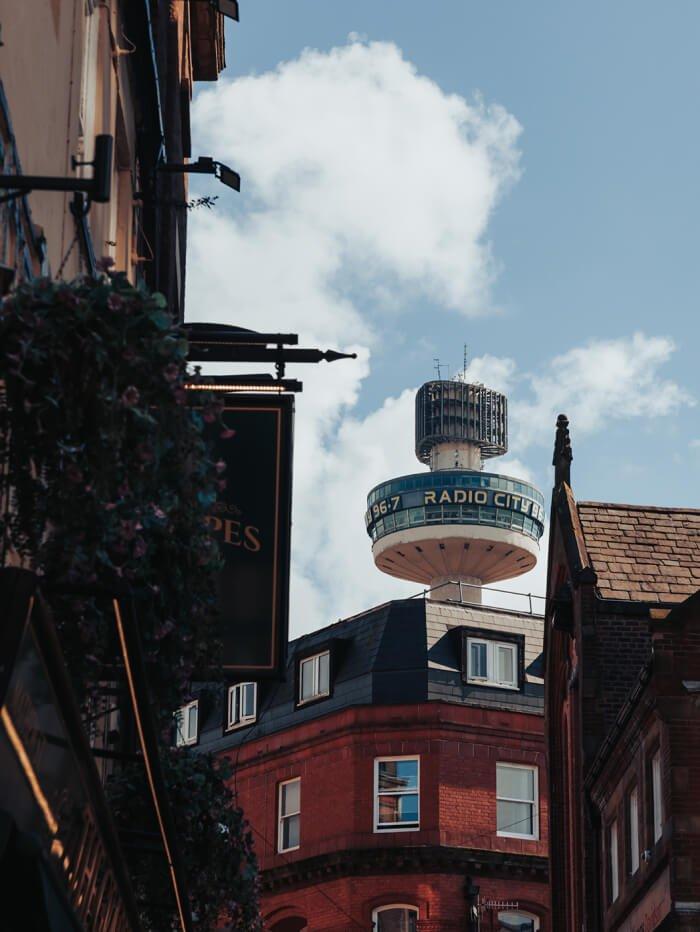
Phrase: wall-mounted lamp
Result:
[98,188]
[205,165]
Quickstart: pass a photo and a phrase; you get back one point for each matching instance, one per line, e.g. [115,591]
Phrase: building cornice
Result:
[423,859]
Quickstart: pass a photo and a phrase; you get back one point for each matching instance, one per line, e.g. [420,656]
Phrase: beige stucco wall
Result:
[64,78]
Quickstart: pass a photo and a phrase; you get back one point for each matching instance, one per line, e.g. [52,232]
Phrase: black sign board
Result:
[251,521]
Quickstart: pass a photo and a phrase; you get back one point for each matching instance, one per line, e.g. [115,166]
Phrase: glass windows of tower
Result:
[289,807]
[186,724]
[314,677]
[395,918]
[516,795]
[396,793]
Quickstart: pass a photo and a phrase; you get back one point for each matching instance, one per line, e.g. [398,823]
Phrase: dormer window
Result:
[492,662]
[314,677]
[186,724]
[242,704]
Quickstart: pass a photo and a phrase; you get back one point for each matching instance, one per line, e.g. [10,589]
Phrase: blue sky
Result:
[573,194]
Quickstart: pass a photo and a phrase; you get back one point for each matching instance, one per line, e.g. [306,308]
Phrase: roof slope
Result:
[643,553]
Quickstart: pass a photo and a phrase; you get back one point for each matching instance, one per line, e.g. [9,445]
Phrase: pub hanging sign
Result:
[251,521]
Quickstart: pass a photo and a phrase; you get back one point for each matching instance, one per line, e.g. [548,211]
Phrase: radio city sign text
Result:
[456,496]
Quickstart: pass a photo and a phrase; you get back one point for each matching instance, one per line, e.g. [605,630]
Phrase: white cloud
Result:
[365,189]
[594,385]
[356,170]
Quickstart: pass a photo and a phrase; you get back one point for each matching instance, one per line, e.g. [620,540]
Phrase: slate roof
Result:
[390,655]
[642,553]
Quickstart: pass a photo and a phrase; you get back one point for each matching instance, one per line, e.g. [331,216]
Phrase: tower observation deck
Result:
[456,522]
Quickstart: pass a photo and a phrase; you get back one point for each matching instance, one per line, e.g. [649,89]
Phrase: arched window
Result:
[291,924]
[395,918]
[517,922]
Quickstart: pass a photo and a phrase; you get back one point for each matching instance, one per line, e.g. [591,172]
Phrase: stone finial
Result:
[562,452]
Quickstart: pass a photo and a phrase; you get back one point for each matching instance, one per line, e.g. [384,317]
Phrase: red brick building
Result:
[387,786]
[622,661]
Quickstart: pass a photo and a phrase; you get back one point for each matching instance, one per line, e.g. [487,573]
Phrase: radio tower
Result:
[456,524]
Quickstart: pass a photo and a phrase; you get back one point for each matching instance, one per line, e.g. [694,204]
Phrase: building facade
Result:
[395,779]
[71,71]
[622,655]
[388,783]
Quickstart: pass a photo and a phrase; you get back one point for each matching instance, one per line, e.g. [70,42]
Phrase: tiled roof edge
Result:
[655,508]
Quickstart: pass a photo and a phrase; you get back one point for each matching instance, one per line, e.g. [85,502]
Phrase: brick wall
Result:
[346,905]
[334,756]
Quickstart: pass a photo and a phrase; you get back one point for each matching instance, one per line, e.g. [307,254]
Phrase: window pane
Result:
[515,922]
[656,795]
[515,782]
[248,699]
[233,705]
[401,808]
[290,798]
[614,874]
[506,667]
[397,920]
[323,673]
[515,818]
[477,659]
[633,818]
[398,774]
[192,721]
[307,679]
[179,729]
[290,832]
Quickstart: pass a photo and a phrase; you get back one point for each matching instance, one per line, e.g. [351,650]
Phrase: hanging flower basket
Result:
[104,476]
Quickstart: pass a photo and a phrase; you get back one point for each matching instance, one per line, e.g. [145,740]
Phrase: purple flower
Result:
[145,453]
[115,302]
[227,433]
[73,473]
[139,548]
[171,372]
[220,466]
[164,630]
[130,396]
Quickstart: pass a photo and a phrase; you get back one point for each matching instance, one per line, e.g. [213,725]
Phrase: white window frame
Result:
[614,861]
[657,804]
[633,829]
[382,828]
[287,815]
[504,833]
[235,693]
[183,739]
[491,678]
[522,914]
[317,693]
[388,906]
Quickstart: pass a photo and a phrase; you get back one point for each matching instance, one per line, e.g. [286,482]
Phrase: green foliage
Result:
[212,831]
[104,476]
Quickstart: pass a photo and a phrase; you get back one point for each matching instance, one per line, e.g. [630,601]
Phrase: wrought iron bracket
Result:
[98,188]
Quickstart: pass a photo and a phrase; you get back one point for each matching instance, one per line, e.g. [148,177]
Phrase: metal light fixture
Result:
[205,165]
[98,188]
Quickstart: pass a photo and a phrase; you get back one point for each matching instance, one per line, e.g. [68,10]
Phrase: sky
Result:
[521,177]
